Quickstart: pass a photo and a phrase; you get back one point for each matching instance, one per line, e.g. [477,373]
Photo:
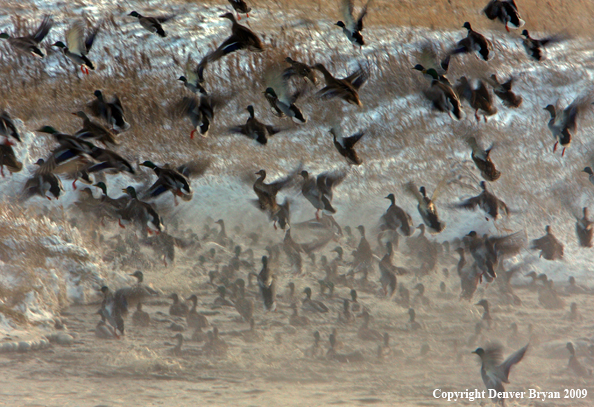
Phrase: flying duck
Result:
[493,206]
[563,125]
[200,111]
[318,190]
[350,27]
[482,160]
[504,91]
[112,112]
[506,11]
[277,94]
[92,130]
[346,145]
[443,97]
[299,69]
[478,97]
[255,129]
[29,44]
[240,6]
[8,158]
[474,41]
[175,180]
[536,48]
[550,248]
[346,89]
[426,207]
[152,24]
[7,127]
[139,212]
[79,46]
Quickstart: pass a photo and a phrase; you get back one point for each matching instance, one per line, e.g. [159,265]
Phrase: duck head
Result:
[4,36]
[130,191]
[526,34]
[250,109]
[98,94]
[139,276]
[467,26]
[59,44]
[149,164]
[587,170]
[101,185]
[340,24]
[391,198]
[135,14]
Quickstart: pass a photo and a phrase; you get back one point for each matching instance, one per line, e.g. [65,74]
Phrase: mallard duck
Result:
[7,127]
[178,308]
[8,158]
[563,125]
[267,284]
[111,205]
[482,160]
[214,345]
[299,69]
[363,256]
[488,202]
[474,41]
[350,27]
[366,333]
[282,104]
[191,80]
[139,212]
[493,372]
[318,190]
[255,129]
[194,319]
[112,112]
[346,89]
[397,218]
[575,365]
[486,319]
[136,293]
[428,60]
[588,170]
[152,24]
[140,317]
[506,11]
[584,228]
[29,44]
[240,6]
[443,97]
[478,97]
[297,320]
[504,91]
[241,38]
[170,179]
[104,331]
[550,248]
[346,316]
[244,306]
[200,112]
[574,314]
[42,182]
[109,161]
[426,206]
[536,48]
[346,145]
[312,305]
[112,309]
[388,272]
[412,324]
[267,192]
[79,46]
[92,130]
[221,301]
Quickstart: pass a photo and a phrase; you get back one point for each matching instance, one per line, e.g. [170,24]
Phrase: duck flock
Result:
[90,156]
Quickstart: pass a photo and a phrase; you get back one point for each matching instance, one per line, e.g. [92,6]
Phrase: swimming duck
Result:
[195,319]
[504,91]
[397,218]
[346,88]
[299,69]
[8,158]
[388,272]
[478,97]
[140,317]
[243,305]
[574,288]
[488,202]
[584,229]
[136,293]
[169,179]
[506,11]
[346,316]
[200,111]
[548,296]
[112,112]
[297,320]
[474,41]
[493,372]
[355,305]
[426,206]
[92,130]
[575,365]
[350,27]
[255,129]
[346,145]
[536,48]
[241,38]
[574,314]
[366,333]
[588,170]
[139,212]
[486,319]
[267,284]
[29,44]
[214,345]
[550,248]
[313,305]
[363,256]
[221,300]
[469,277]
[412,324]
[178,308]
[315,349]
[483,161]
[277,94]
[7,127]
[563,125]
[79,46]
[42,182]
[240,6]
[112,309]
[152,24]
[318,190]
[443,97]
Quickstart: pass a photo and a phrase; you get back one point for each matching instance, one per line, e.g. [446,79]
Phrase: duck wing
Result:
[43,30]
[358,78]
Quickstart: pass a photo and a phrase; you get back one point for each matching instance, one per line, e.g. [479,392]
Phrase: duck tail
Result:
[328,205]
[161,32]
